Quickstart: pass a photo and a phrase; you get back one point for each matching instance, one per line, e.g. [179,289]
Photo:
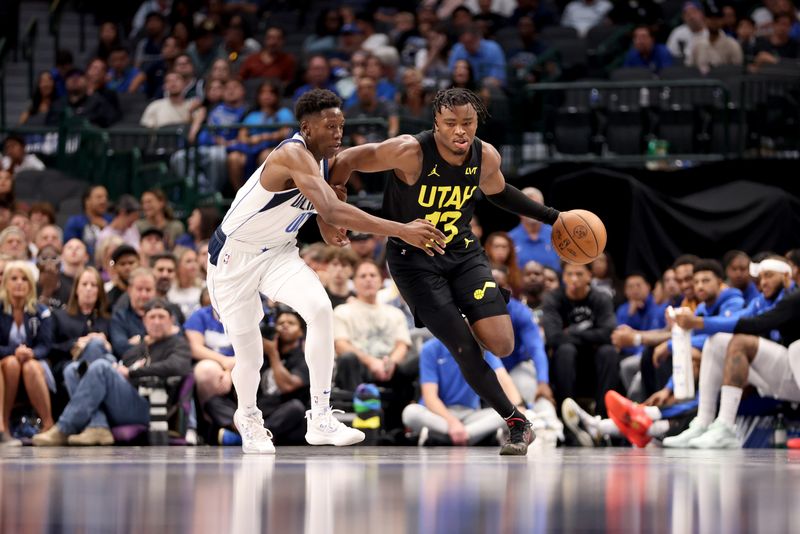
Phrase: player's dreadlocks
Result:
[315,101]
[450,98]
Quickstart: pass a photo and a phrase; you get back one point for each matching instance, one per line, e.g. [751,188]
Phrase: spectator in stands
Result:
[180,31]
[44,95]
[341,263]
[158,214]
[317,76]
[96,78]
[693,30]
[183,65]
[314,256]
[151,244]
[127,328]
[103,253]
[127,211]
[15,159]
[200,226]
[165,269]
[524,58]
[350,39]
[81,329]
[123,77]
[108,39]
[746,36]
[124,260]
[88,225]
[107,392]
[372,341]
[254,144]
[369,106]
[604,277]
[213,91]
[449,412]
[645,53]
[324,38]
[7,197]
[21,220]
[64,65]
[26,335]
[541,11]
[463,76]
[771,50]
[272,61]
[500,250]
[57,277]
[577,322]
[488,15]
[639,309]
[49,235]
[414,99]
[718,50]
[432,60]
[486,57]
[93,107]
[157,69]
[143,14]
[174,108]
[52,293]
[235,47]
[729,20]
[532,238]
[148,49]
[737,274]
[584,15]
[667,292]
[203,50]
[186,288]
[533,287]
[213,352]
[372,39]
[376,69]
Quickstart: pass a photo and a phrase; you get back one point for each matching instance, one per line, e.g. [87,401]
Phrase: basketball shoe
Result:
[325,429]
[582,425]
[255,438]
[520,436]
[630,418]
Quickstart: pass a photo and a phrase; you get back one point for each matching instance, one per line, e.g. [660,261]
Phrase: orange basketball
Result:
[579,236]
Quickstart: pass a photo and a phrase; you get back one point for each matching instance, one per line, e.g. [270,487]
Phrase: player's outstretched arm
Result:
[506,196]
[401,154]
[305,174]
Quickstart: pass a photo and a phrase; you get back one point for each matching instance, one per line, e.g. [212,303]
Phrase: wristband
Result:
[637,340]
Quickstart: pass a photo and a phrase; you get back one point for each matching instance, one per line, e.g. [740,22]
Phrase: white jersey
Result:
[268,219]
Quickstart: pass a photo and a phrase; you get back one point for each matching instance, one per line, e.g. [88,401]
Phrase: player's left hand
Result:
[333,235]
[660,354]
[543,391]
[341,192]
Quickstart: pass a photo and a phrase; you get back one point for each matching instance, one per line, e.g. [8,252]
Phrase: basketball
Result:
[579,236]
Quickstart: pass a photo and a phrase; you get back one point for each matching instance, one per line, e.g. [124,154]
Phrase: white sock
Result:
[729,404]
[711,369]
[658,428]
[607,427]
[320,401]
[653,412]
[249,351]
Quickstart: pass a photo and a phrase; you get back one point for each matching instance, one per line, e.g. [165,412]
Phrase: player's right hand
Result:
[422,234]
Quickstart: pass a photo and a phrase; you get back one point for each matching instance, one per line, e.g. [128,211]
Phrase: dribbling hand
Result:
[422,234]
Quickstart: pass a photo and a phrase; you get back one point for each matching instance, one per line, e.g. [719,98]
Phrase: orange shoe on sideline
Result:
[629,417]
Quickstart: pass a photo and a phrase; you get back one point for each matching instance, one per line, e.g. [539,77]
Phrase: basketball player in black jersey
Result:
[437,177]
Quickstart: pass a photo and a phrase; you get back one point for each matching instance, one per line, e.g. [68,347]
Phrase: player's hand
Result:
[332,235]
[660,354]
[422,234]
[543,391]
[659,398]
[687,320]
[377,369]
[458,433]
[623,336]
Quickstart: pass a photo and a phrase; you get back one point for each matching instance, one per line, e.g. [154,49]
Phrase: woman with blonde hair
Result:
[26,336]
[500,250]
[158,214]
[186,290]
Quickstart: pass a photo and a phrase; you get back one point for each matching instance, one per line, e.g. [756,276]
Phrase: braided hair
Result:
[456,96]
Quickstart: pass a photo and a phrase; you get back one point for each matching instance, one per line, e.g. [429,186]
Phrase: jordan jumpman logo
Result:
[433,172]
[467,242]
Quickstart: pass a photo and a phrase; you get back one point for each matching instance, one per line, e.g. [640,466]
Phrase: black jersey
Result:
[444,194]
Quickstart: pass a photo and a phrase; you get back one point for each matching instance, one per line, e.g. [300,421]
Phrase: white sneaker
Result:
[255,438]
[719,435]
[325,429]
[681,441]
[573,416]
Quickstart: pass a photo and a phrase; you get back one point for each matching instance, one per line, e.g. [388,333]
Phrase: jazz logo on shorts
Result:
[479,293]
[226,258]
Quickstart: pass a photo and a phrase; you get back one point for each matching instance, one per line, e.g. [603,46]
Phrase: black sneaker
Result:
[521,435]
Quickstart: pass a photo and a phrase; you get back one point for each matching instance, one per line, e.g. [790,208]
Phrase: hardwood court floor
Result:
[396,490]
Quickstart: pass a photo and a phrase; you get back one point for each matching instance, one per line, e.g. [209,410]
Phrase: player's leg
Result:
[302,290]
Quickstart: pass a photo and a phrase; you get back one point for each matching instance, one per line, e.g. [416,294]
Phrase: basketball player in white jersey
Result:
[254,252]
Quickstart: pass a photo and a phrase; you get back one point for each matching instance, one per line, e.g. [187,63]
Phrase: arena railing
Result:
[54,23]
[29,49]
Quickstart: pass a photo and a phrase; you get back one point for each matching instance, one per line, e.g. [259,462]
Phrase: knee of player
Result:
[500,347]
[744,344]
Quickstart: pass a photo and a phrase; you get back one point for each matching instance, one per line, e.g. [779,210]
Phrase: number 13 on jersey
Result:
[448,220]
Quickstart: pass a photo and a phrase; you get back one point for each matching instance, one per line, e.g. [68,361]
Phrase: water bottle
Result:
[682,368]
[779,434]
